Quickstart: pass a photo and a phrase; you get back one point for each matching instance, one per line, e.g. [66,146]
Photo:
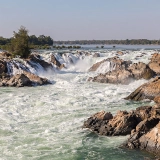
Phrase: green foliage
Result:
[4,41]
[19,43]
[41,40]
[105,42]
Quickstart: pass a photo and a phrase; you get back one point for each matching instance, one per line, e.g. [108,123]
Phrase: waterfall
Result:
[106,67]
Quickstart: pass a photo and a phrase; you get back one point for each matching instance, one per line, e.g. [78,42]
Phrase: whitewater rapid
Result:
[45,122]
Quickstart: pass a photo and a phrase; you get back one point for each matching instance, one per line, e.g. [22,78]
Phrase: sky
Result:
[82,19]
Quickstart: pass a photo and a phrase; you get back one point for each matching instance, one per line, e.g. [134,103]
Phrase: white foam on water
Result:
[45,122]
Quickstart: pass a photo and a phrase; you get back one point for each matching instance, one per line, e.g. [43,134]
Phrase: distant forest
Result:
[105,42]
[48,41]
[33,40]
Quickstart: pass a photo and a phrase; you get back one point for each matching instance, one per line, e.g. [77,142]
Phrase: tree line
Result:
[33,40]
[21,43]
[105,42]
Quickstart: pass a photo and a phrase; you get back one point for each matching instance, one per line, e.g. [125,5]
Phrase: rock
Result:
[118,63]
[19,80]
[36,80]
[116,76]
[157,99]
[24,79]
[151,140]
[96,55]
[103,115]
[3,67]
[56,62]
[141,119]
[5,55]
[120,52]
[141,70]
[121,124]
[36,58]
[121,72]
[146,91]
[154,64]
[143,125]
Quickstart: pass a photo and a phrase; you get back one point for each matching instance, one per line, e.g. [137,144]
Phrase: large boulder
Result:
[146,91]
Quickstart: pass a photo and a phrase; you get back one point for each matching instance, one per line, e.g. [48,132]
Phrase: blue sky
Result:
[82,19]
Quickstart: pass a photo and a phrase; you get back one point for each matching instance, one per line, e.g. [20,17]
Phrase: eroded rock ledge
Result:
[143,125]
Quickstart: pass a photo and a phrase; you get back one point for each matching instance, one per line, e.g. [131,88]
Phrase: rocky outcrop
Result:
[117,63]
[154,64]
[36,80]
[146,134]
[23,79]
[121,124]
[141,70]
[151,141]
[143,125]
[116,76]
[18,80]
[146,91]
[125,74]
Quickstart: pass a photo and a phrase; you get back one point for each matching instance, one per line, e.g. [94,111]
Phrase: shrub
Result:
[19,43]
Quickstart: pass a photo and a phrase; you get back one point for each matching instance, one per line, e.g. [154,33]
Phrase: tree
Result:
[19,44]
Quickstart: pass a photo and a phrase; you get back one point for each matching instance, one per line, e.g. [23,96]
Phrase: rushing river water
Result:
[45,122]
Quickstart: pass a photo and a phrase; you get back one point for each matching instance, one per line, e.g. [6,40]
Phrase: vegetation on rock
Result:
[19,43]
